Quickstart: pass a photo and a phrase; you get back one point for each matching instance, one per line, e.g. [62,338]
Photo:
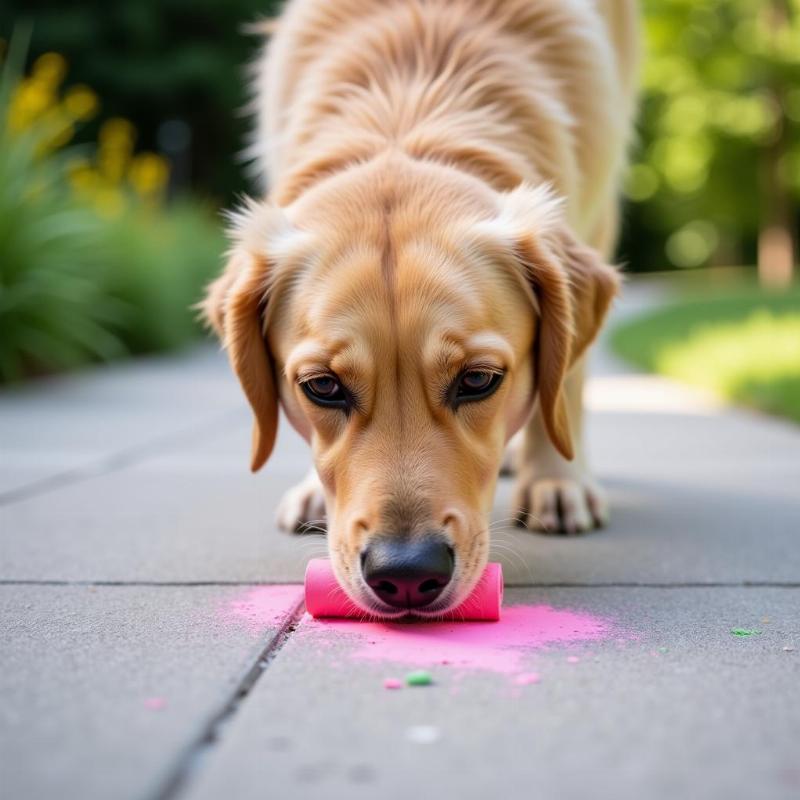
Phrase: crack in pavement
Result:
[189,762]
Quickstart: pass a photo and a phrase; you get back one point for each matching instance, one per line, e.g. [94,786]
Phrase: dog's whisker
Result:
[500,541]
[313,537]
[501,521]
[312,548]
[510,536]
[312,525]
[515,556]
[312,540]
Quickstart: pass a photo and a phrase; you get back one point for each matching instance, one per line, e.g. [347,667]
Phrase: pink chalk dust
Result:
[263,607]
[493,646]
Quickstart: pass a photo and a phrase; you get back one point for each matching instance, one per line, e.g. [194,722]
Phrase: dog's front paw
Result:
[560,505]
[302,508]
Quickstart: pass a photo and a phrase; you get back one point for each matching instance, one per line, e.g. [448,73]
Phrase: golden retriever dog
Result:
[427,271]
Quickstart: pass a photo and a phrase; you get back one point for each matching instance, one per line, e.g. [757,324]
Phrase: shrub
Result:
[53,314]
[92,265]
[156,265]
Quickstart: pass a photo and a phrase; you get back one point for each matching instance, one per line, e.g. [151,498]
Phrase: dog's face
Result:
[406,321]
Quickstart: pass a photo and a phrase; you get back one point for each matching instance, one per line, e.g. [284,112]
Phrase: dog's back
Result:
[515,90]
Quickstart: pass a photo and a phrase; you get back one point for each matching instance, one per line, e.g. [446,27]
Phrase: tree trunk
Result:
[776,247]
[775,240]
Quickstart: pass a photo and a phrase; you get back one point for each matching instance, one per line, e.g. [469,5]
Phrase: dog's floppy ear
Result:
[571,288]
[234,307]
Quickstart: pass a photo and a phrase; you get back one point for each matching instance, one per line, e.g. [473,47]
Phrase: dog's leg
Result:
[553,494]
[302,508]
[512,454]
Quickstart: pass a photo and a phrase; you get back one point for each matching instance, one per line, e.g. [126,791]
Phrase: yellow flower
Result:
[117,133]
[109,202]
[30,100]
[111,177]
[148,173]
[59,130]
[50,68]
[113,163]
[83,179]
[81,102]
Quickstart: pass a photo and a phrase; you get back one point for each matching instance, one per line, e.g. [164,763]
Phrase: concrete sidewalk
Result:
[147,654]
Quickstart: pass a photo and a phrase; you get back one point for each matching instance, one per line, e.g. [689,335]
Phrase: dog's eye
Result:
[326,391]
[476,380]
[476,384]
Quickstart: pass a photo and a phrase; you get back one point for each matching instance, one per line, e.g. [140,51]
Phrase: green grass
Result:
[743,344]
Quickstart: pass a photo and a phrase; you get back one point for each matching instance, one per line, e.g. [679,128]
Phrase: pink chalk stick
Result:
[325,598]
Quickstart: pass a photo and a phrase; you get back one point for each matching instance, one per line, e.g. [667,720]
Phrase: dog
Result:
[427,271]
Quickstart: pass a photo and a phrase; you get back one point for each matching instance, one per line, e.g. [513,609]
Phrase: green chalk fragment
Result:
[420,677]
[744,632]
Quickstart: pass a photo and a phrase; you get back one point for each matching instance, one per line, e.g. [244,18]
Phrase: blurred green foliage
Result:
[157,263]
[741,343]
[78,284]
[720,104]
[152,61]
[718,153]
[53,313]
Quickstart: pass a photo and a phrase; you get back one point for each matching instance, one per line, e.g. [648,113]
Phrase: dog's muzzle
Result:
[408,572]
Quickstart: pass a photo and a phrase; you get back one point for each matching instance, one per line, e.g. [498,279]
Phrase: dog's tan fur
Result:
[440,172]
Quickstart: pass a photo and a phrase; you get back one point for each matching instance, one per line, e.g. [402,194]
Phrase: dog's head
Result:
[407,317]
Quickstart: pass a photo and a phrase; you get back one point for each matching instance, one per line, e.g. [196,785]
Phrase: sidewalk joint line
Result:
[189,763]
[156,584]
[114,462]
[657,585]
[514,585]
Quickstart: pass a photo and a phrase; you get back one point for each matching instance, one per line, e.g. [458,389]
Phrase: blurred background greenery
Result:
[716,173]
[122,129]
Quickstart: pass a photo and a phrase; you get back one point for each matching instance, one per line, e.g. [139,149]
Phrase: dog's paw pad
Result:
[560,505]
[302,508]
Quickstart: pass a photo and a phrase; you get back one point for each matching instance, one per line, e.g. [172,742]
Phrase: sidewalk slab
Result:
[104,687]
[196,514]
[54,425]
[667,703]
[694,498]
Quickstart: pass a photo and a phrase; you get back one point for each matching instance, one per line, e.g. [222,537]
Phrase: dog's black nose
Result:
[408,573]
